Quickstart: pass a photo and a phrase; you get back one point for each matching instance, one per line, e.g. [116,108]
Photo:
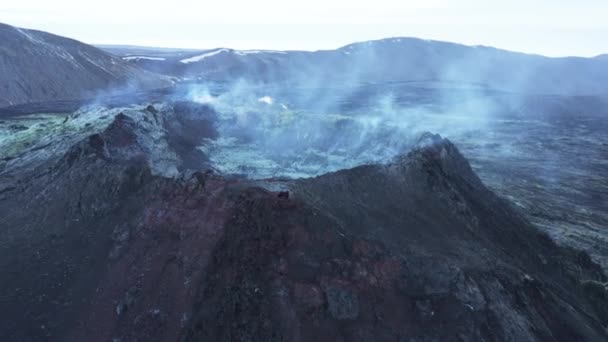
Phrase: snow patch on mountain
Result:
[49,49]
[216,52]
[96,62]
[30,37]
[199,58]
[137,58]
[252,52]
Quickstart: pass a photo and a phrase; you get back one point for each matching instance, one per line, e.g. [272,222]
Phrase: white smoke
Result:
[313,131]
[266,99]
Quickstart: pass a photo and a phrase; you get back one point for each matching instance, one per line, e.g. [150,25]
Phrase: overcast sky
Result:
[549,27]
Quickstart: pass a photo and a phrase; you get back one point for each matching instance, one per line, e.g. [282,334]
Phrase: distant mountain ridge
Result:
[386,60]
[38,66]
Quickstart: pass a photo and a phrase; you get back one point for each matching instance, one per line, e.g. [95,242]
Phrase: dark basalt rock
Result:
[151,109]
[96,247]
[193,123]
[342,303]
[397,251]
[17,127]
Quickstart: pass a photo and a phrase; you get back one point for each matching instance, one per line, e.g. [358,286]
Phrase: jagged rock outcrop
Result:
[102,242]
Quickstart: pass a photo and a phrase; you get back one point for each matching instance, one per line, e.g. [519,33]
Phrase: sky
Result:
[547,27]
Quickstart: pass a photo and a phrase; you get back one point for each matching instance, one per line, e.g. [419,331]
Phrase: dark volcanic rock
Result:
[342,303]
[414,250]
[193,123]
[98,244]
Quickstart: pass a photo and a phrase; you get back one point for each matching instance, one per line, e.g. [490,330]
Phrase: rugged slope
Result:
[387,60]
[112,237]
[38,66]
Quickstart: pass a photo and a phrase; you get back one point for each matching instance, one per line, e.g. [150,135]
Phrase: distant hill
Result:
[387,60]
[38,66]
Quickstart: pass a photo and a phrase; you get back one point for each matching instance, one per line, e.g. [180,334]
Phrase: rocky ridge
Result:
[128,234]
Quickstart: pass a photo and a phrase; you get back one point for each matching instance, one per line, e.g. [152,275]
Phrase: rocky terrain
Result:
[38,66]
[115,226]
[299,196]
